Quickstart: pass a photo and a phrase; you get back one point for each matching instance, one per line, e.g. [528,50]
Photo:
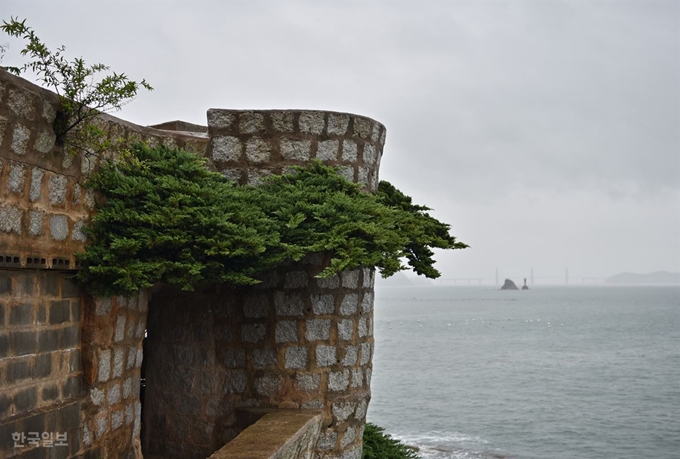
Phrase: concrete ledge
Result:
[282,434]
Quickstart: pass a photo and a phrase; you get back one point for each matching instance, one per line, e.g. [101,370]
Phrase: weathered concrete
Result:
[283,434]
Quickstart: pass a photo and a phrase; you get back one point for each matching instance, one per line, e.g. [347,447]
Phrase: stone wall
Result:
[71,363]
[40,360]
[294,341]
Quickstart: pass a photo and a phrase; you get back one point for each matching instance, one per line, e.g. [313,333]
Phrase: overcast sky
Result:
[546,132]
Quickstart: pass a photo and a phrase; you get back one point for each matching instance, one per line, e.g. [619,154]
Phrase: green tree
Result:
[164,217]
[84,90]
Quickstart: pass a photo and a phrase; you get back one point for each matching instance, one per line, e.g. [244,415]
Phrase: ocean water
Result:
[546,373]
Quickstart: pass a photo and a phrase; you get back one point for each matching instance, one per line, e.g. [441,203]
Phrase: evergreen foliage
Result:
[379,445]
[165,217]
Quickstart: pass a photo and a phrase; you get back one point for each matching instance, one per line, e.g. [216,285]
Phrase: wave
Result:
[450,445]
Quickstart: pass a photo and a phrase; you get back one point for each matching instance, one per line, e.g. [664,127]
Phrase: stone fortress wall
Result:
[71,363]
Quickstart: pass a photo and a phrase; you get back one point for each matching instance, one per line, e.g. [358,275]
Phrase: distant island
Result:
[509,285]
[658,277]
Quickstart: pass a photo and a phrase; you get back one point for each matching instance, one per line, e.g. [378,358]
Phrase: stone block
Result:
[363,175]
[252,333]
[263,358]
[35,222]
[350,279]
[234,358]
[129,415]
[351,355]
[42,366]
[18,370]
[311,122]
[26,400]
[127,388]
[4,345]
[337,124]
[370,154]
[348,437]
[5,284]
[118,362]
[296,150]
[236,382]
[360,412]
[44,143]
[37,175]
[267,385]
[23,342]
[113,394]
[117,419]
[354,453]
[58,185]
[312,405]
[318,329]
[327,440]
[368,373]
[296,357]
[357,377]
[286,331]
[20,136]
[363,327]
[49,392]
[368,277]
[346,329]
[21,314]
[308,382]
[60,311]
[76,359]
[226,148]
[323,304]
[70,289]
[349,304]
[328,282]
[251,123]
[119,333]
[102,306]
[349,151]
[288,304]
[220,119]
[366,353]
[325,356]
[78,234]
[258,150]
[382,137]
[342,411]
[48,340]
[256,306]
[367,303]
[363,127]
[97,396]
[338,380]
[327,150]
[3,128]
[16,178]
[101,422]
[282,121]
[20,103]
[73,388]
[59,227]
[296,279]
[104,367]
[10,220]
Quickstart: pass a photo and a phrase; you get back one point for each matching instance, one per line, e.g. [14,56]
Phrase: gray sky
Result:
[546,132]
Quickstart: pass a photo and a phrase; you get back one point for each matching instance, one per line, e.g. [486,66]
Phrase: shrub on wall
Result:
[164,217]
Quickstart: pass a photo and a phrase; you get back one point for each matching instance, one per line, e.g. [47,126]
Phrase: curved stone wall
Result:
[248,145]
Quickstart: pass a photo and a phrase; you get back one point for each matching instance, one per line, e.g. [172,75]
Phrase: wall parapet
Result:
[281,434]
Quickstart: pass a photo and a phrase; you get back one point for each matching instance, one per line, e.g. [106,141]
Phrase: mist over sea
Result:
[546,373]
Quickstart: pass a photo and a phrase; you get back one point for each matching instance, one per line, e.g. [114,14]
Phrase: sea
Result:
[570,372]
